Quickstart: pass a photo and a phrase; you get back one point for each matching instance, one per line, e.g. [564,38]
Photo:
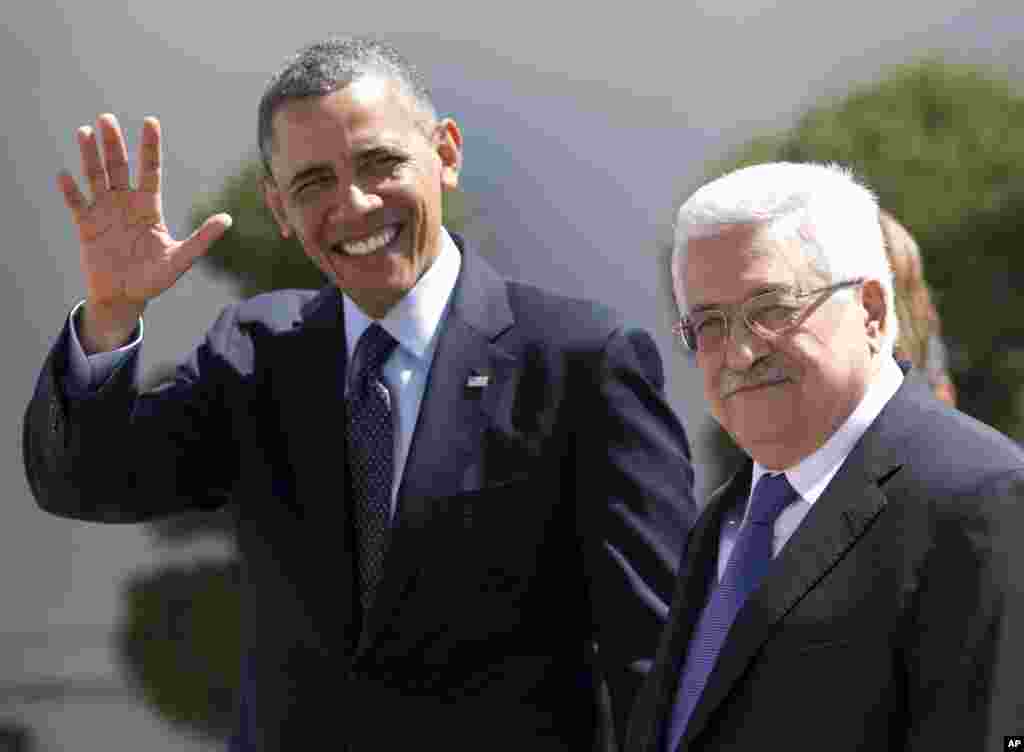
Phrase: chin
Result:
[753,431]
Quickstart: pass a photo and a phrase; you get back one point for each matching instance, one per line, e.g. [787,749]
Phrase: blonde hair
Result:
[920,330]
[918,318]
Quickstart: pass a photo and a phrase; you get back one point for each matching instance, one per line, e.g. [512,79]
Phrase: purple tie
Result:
[750,558]
[370,444]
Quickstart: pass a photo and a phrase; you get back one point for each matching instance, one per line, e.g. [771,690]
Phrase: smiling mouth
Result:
[383,238]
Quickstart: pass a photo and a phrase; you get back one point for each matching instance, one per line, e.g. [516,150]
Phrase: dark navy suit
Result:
[539,518]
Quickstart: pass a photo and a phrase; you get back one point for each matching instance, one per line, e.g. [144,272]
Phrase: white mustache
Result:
[733,381]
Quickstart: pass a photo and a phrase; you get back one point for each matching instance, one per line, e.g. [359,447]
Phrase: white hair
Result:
[823,207]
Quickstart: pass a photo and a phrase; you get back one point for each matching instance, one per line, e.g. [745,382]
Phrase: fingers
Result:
[73,197]
[112,172]
[149,156]
[115,153]
[92,167]
[199,242]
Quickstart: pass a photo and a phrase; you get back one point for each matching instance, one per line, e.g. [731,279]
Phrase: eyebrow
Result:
[377,150]
[757,291]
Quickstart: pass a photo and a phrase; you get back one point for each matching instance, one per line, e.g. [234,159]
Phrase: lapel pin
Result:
[477,381]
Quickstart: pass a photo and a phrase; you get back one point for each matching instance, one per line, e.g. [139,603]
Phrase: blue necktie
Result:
[750,559]
[370,444]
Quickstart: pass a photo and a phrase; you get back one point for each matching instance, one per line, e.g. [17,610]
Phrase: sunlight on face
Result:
[358,177]
[782,396]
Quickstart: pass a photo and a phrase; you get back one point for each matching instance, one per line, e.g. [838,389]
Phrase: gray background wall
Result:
[584,124]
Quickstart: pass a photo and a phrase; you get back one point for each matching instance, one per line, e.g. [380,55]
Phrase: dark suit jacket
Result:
[537,517]
[891,620]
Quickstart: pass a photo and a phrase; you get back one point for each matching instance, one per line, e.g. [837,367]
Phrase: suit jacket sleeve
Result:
[119,454]
[636,483]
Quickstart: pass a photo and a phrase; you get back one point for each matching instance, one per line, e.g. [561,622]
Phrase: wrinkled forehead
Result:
[736,262]
[369,113]
[370,100]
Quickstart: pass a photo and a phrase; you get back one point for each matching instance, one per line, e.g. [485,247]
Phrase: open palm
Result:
[127,253]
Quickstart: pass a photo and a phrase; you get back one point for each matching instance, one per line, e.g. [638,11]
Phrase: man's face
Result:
[781,397]
[357,177]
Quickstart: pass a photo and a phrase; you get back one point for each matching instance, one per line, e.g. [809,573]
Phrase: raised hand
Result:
[127,253]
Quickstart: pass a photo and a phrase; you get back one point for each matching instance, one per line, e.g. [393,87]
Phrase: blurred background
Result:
[584,126]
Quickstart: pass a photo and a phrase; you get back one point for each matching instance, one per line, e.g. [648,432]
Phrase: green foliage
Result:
[252,252]
[935,140]
[180,643]
[942,145]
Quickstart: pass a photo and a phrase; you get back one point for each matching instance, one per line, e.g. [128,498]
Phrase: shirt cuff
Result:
[89,372]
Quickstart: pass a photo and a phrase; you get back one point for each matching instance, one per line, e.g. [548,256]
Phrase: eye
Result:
[311,187]
[708,323]
[382,163]
[774,316]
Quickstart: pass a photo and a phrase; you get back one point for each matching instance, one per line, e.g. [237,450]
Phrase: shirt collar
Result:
[811,475]
[414,320]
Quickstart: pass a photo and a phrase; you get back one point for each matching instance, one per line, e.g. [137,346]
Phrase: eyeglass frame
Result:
[685,324]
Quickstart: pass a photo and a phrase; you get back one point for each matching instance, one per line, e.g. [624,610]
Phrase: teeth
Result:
[370,244]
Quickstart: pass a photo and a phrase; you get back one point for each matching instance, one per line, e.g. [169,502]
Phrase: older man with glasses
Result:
[854,585]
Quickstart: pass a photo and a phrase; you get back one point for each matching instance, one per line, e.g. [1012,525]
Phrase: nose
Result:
[740,345]
[355,201]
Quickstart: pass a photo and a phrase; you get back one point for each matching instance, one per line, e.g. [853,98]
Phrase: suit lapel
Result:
[308,378]
[836,521]
[312,395]
[697,573]
[445,456]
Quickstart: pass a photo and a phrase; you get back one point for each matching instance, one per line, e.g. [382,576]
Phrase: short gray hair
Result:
[832,215]
[324,67]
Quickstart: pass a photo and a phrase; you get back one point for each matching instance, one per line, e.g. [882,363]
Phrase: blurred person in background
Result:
[920,337]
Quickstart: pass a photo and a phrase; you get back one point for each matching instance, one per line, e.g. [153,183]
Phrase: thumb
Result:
[199,242]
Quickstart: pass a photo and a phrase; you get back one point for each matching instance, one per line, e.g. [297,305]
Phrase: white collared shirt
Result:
[811,475]
[414,321]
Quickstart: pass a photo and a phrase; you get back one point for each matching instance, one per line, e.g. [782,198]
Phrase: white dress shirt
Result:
[414,321]
[811,475]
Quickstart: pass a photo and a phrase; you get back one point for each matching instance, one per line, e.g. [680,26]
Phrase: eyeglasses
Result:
[767,314]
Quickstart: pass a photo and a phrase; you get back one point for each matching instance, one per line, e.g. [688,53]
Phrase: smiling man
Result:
[460,500]
[357,175]
[855,585]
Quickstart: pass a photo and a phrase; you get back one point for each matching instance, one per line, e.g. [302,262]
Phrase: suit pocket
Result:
[472,485]
[495,538]
[790,647]
[813,647]
[481,509]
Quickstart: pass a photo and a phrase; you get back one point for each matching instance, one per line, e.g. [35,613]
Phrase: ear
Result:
[876,320]
[449,148]
[275,203]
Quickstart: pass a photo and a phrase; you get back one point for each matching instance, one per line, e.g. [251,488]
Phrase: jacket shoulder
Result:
[950,458]
[278,310]
[553,313]
[946,440]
